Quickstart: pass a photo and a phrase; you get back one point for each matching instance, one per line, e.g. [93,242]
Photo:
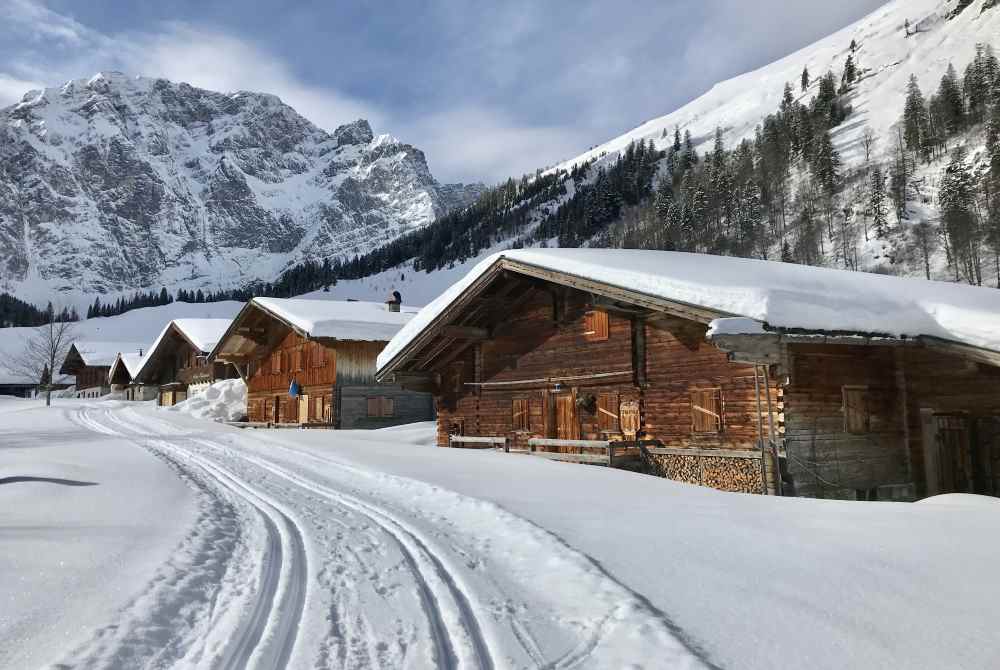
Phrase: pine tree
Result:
[805,79]
[826,164]
[952,103]
[916,121]
[958,205]
[980,79]
[876,203]
[850,72]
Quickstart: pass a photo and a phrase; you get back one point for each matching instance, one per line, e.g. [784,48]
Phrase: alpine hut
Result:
[312,362]
[177,364]
[122,377]
[90,363]
[715,370]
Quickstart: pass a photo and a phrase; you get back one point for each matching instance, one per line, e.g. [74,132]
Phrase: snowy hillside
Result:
[886,58]
[114,182]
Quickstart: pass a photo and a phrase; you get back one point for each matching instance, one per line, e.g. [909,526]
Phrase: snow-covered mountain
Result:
[114,183]
[940,32]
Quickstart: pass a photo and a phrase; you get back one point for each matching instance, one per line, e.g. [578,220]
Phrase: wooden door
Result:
[566,424]
[954,454]
[987,452]
[276,409]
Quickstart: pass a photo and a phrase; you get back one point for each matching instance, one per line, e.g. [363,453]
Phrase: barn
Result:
[90,363]
[177,364]
[326,349]
[122,377]
[739,374]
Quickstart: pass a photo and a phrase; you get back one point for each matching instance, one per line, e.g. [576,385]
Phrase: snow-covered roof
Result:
[780,295]
[202,334]
[343,320]
[132,362]
[99,354]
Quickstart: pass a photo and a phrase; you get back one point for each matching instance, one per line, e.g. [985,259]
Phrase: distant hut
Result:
[89,362]
[312,362]
[177,364]
[122,377]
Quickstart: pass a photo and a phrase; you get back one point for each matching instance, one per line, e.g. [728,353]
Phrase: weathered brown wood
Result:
[465,333]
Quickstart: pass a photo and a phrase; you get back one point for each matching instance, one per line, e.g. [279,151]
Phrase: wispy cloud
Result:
[486,90]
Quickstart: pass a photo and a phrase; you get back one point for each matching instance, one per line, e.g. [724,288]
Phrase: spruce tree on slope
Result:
[957,196]
[952,102]
[916,121]
[805,79]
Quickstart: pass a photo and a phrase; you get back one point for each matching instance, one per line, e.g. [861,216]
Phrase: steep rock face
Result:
[116,182]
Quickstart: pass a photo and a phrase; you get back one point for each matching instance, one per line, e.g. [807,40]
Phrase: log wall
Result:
[550,353]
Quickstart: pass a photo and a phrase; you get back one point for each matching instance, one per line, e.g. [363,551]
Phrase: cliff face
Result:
[116,183]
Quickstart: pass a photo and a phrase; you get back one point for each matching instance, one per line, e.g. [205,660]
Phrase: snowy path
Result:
[337,566]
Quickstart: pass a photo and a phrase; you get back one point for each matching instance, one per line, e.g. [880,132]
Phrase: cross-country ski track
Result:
[332,565]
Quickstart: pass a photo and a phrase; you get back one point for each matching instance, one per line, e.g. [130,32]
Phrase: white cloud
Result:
[480,142]
[222,62]
[13,89]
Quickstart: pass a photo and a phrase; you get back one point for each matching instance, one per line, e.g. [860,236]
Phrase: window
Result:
[595,326]
[276,363]
[381,407]
[607,412]
[318,355]
[520,414]
[706,410]
[857,417]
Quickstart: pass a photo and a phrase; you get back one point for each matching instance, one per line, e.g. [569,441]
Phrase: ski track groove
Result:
[247,642]
[414,551]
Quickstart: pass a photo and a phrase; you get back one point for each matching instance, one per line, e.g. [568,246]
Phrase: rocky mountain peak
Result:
[117,182]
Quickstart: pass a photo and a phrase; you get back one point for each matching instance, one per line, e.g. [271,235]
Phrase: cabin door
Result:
[955,458]
[303,409]
[566,424]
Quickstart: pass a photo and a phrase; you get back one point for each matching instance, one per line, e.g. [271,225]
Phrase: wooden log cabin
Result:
[743,375]
[177,364]
[89,362]
[122,378]
[328,350]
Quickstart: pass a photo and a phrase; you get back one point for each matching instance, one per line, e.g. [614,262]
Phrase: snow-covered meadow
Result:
[182,542]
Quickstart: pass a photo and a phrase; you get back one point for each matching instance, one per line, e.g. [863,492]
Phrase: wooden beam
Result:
[465,333]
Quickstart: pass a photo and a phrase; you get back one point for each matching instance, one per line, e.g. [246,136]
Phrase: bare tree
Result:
[44,351]
[868,140]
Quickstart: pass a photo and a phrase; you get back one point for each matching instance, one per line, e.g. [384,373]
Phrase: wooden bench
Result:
[480,442]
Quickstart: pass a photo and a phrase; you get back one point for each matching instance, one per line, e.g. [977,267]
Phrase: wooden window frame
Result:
[697,396]
[596,325]
[381,407]
[608,412]
[520,415]
[847,389]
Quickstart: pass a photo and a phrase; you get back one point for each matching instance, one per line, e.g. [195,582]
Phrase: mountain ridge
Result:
[113,183]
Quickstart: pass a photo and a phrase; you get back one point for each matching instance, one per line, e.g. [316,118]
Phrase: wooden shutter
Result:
[276,363]
[319,352]
[520,416]
[388,407]
[629,418]
[374,407]
[706,410]
[595,326]
[607,412]
[327,409]
[856,412]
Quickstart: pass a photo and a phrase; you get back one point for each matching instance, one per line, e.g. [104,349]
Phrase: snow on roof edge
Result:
[780,295]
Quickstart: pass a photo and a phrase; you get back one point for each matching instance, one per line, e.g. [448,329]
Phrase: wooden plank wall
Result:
[408,406]
[531,345]
[823,459]
[265,388]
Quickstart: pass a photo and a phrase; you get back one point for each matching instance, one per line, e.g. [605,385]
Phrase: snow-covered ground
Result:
[227,547]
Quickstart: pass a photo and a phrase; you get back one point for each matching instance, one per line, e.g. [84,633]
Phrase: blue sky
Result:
[487,91]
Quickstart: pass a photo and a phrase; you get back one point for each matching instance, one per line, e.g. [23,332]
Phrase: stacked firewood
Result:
[726,474]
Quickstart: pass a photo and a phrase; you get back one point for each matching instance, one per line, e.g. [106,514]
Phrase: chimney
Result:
[394,302]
